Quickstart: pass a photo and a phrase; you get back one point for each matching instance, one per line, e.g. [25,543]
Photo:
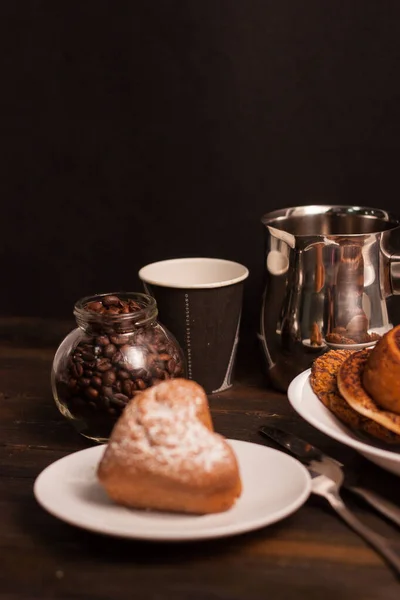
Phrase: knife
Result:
[326,465]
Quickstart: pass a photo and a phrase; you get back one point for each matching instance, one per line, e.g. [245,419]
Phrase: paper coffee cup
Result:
[200,302]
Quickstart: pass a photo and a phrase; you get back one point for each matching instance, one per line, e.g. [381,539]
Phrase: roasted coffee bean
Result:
[103,364]
[84,346]
[178,369]
[108,330]
[84,381]
[140,339]
[91,392]
[170,349]
[97,381]
[151,359]
[107,391]
[171,366]
[158,373]
[118,385]
[152,351]
[142,373]
[109,377]
[72,383]
[104,402]
[123,374]
[122,397]
[109,350]
[121,364]
[102,340]
[140,384]
[119,400]
[164,357]
[125,348]
[133,305]
[117,358]
[123,328]
[77,370]
[111,301]
[126,387]
[88,356]
[94,306]
[118,403]
[113,310]
[158,338]
[119,340]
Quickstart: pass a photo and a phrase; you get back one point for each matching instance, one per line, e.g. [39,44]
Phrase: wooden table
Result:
[311,554]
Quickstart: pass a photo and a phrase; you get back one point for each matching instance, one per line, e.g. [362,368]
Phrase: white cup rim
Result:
[146,273]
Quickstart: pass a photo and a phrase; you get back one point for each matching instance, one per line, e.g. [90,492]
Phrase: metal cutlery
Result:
[327,479]
[319,461]
[324,486]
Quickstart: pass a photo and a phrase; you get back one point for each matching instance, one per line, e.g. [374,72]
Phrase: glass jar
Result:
[118,349]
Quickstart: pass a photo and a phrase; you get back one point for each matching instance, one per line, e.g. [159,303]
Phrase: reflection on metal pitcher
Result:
[329,270]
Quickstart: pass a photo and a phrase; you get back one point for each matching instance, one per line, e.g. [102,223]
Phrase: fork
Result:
[328,487]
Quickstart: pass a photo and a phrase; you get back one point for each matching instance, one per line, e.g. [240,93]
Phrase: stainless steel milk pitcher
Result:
[328,273]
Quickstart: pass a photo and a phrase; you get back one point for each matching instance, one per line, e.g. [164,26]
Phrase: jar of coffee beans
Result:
[118,349]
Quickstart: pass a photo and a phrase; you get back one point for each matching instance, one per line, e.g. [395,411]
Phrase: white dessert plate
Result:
[310,408]
[274,486]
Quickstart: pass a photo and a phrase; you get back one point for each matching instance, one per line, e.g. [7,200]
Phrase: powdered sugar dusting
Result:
[160,432]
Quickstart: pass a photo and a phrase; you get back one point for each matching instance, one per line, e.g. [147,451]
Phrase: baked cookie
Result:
[323,380]
[323,374]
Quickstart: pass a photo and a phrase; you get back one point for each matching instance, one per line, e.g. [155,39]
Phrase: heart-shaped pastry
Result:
[163,454]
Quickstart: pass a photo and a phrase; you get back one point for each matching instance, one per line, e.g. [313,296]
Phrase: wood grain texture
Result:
[310,554]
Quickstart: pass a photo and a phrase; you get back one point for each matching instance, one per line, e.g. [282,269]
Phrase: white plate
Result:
[307,405]
[274,486]
[351,346]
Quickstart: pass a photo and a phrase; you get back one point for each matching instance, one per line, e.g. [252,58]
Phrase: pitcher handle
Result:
[394,271]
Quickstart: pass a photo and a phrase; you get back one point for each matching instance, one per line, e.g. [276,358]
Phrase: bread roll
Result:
[381,377]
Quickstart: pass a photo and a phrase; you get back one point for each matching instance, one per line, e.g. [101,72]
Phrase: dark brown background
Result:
[137,131]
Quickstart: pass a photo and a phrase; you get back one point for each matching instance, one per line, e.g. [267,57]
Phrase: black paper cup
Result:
[200,301]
